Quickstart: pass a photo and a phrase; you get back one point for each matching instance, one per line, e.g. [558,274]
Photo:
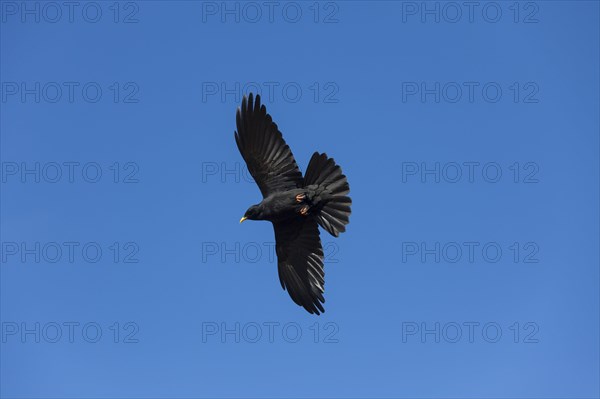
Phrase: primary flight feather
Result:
[296,205]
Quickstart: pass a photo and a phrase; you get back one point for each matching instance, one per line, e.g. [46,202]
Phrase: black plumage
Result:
[296,205]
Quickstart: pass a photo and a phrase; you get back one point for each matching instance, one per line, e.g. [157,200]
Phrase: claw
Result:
[304,210]
[300,197]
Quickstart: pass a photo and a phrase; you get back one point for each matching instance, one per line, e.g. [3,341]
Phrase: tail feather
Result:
[330,189]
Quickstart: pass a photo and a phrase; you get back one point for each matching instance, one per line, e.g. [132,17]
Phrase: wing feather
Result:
[269,159]
[300,262]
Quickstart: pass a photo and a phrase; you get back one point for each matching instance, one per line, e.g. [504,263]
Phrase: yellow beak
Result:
[242,219]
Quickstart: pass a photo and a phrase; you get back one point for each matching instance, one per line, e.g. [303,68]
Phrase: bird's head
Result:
[253,213]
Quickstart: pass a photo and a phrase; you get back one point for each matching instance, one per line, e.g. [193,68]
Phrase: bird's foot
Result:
[300,197]
[304,210]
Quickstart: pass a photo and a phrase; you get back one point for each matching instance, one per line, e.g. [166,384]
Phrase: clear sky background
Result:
[470,141]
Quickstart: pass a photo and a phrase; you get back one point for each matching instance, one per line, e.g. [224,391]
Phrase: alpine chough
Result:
[296,205]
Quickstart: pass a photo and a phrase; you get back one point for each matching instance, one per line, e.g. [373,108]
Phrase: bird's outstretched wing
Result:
[268,157]
[300,262]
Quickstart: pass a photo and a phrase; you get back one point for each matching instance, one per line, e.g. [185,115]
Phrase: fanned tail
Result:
[330,187]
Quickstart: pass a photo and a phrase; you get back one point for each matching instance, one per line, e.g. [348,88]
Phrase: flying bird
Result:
[296,205]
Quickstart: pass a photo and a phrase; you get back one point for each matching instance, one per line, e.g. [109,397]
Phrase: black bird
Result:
[295,205]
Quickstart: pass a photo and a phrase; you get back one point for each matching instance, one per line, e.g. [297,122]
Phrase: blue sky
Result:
[470,140]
